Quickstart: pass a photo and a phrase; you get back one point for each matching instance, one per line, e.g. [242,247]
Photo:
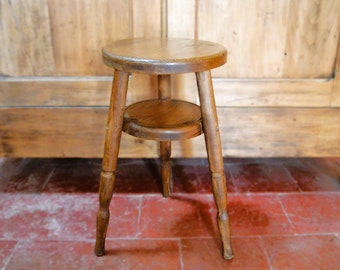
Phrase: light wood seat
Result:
[164,55]
[164,119]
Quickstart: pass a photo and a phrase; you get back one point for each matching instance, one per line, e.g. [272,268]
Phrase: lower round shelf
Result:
[163,120]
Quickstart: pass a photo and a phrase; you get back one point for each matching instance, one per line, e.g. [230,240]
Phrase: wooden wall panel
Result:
[274,93]
[265,39]
[312,38]
[181,19]
[147,18]
[252,132]
[252,31]
[335,97]
[61,37]
[278,95]
[49,92]
[26,44]
[69,92]
[80,29]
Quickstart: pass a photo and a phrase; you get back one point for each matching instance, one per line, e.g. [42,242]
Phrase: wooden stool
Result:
[163,119]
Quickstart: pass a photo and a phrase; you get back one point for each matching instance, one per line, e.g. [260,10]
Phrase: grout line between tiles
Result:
[180,254]
[301,234]
[264,249]
[198,175]
[127,238]
[92,240]
[292,178]
[232,178]
[48,178]
[139,217]
[8,259]
[286,213]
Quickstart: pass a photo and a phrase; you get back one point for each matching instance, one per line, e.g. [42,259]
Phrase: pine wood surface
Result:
[281,55]
[335,97]
[169,55]
[95,91]
[246,132]
[163,120]
[265,39]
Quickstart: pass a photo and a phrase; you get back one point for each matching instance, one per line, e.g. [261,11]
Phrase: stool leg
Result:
[164,92]
[166,168]
[112,143]
[214,149]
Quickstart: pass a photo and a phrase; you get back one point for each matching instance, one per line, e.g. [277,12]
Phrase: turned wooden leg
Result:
[112,143]
[166,168]
[164,92]
[214,149]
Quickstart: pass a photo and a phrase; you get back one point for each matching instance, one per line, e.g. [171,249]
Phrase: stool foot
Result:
[102,223]
[224,228]
[228,255]
[99,249]
[103,216]
[99,252]
[220,196]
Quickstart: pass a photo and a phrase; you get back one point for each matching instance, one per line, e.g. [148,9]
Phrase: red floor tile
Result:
[74,176]
[309,175]
[193,176]
[124,216]
[310,252]
[64,217]
[189,176]
[186,178]
[24,175]
[47,216]
[179,216]
[326,166]
[6,249]
[52,255]
[313,212]
[195,216]
[55,202]
[261,177]
[257,215]
[140,254]
[138,176]
[206,254]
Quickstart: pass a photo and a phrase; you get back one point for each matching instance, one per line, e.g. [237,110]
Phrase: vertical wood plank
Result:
[25,38]
[184,87]
[80,29]
[142,87]
[181,18]
[164,18]
[252,31]
[335,97]
[312,37]
[147,18]
[182,24]
[147,22]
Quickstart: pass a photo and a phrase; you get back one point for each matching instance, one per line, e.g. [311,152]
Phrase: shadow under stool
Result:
[163,119]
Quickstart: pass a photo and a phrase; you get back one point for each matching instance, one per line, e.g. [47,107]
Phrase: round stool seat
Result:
[164,55]
[163,120]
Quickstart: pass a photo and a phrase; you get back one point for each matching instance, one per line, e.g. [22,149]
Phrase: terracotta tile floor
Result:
[285,214]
